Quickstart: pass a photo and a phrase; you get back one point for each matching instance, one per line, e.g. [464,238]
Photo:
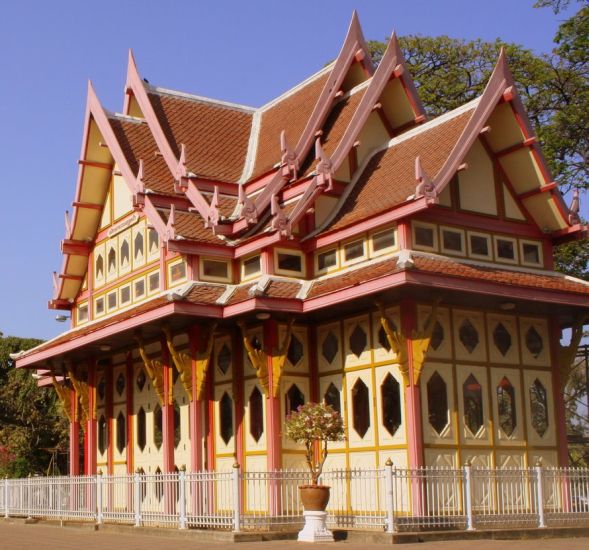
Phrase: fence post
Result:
[540,493]
[6,496]
[29,491]
[182,496]
[236,490]
[99,517]
[389,495]
[137,497]
[468,495]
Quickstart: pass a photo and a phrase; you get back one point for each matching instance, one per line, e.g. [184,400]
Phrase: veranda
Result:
[385,499]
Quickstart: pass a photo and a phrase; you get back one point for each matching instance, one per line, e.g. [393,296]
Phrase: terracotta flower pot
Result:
[314,497]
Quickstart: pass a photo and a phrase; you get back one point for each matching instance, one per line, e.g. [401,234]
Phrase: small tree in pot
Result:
[313,422]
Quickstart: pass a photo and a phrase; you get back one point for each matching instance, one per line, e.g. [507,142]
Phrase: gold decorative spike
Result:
[182,361]
[154,370]
[421,340]
[81,388]
[257,357]
[397,341]
[64,396]
[279,358]
[203,360]
[567,354]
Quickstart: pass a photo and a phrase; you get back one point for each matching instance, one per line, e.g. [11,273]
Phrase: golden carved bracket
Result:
[258,358]
[420,341]
[279,358]
[567,354]
[81,387]
[65,397]
[182,361]
[154,370]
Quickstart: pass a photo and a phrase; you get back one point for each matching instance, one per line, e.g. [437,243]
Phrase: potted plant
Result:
[310,423]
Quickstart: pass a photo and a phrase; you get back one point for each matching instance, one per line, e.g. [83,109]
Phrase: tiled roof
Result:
[389,177]
[290,114]
[190,225]
[137,144]
[202,293]
[282,289]
[448,267]
[216,137]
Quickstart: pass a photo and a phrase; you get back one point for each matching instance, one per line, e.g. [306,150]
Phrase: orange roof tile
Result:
[291,114]
[389,177]
[216,136]
[137,144]
[203,293]
[190,225]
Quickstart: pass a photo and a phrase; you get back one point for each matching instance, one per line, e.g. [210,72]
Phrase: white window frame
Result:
[142,296]
[203,277]
[538,244]
[386,249]
[364,256]
[130,300]
[174,263]
[330,269]
[245,277]
[147,290]
[96,300]
[289,252]
[424,225]
[496,239]
[485,236]
[461,232]
[80,306]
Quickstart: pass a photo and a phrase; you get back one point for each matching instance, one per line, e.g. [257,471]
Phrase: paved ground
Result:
[47,537]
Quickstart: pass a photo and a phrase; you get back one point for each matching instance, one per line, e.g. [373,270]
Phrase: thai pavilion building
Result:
[224,264]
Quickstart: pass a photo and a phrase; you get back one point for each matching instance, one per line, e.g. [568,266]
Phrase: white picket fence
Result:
[390,499]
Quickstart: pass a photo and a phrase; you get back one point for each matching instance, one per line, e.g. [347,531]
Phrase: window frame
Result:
[173,263]
[496,239]
[387,249]
[137,297]
[289,252]
[329,269]
[96,300]
[242,263]
[78,308]
[538,244]
[485,236]
[130,300]
[449,251]
[436,244]
[147,289]
[353,261]
[201,270]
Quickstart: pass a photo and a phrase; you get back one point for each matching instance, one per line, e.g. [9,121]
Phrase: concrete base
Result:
[315,529]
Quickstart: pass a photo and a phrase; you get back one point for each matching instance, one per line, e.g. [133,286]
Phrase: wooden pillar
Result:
[238,394]
[168,412]
[74,436]
[130,387]
[108,412]
[412,393]
[195,406]
[273,423]
[91,423]
[558,394]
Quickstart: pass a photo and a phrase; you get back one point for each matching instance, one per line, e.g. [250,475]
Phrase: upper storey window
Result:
[326,261]
[424,236]
[215,270]
[452,241]
[250,267]
[530,253]
[383,241]
[289,262]
[479,245]
[505,250]
[177,272]
[354,251]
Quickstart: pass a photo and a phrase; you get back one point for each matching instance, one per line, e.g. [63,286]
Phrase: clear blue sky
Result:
[247,51]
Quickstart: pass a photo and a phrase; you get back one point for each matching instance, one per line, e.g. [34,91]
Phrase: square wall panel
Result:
[469,336]
[441,342]
[329,347]
[357,341]
[535,340]
[437,403]
[503,337]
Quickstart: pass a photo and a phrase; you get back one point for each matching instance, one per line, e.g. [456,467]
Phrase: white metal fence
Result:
[391,499]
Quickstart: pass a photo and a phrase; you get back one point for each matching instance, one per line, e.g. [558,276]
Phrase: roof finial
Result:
[324,167]
[68,225]
[279,219]
[181,169]
[213,216]
[290,164]
[424,187]
[171,225]
[574,217]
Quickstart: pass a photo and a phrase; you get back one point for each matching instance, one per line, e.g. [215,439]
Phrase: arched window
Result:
[360,407]
[141,429]
[390,397]
[158,434]
[437,402]
[226,418]
[472,395]
[121,432]
[256,413]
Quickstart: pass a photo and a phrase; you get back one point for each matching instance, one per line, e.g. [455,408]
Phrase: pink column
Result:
[74,436]
[273,424]
[130,387]
[167,413]
[91,424]
[195,407]
[559,407]
[109,419]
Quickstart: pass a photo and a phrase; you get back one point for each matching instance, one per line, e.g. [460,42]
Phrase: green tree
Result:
[30,417]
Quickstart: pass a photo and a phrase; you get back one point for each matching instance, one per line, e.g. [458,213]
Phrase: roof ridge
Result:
[297,87]
[201,99]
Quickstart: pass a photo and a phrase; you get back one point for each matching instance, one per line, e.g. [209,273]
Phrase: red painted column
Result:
[412,394]
[74,436]
[273,423]
[238,395]
[167,412]
[91,424]
[108,411]
[559,406]
[130,387]
[195,406]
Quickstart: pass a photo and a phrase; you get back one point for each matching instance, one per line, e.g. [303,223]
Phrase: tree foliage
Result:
[30,417]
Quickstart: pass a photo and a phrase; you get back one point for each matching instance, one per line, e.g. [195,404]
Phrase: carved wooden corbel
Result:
[258,359]
[421,340]
[65,397]
[279,358]
[182,361]
[203,360]
[567,354]
[397,341]
[81,388]
[154,370]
